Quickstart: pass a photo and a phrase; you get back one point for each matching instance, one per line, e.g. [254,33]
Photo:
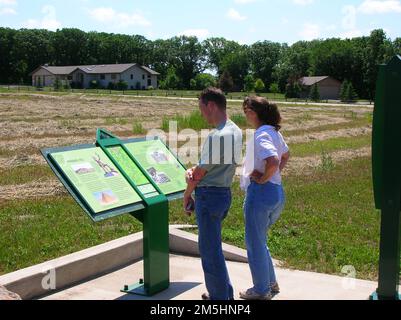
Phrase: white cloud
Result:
[8,2]
[235,15]
[199,33]
[310,31]
[380,6]
[49,21]
[7,11]
[303,2]
[244,1]
[112,17]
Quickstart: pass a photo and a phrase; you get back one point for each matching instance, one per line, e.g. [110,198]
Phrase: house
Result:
[135,75]
[329,88]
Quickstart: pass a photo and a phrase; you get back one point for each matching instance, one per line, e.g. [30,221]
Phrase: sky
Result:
[245,21]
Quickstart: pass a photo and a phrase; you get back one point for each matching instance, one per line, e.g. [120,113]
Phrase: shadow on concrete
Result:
[175,289]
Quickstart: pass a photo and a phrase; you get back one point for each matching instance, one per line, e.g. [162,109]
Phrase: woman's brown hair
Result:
[267,112]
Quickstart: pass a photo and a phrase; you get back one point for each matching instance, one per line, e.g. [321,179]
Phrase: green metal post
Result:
[386,161]
[156,271]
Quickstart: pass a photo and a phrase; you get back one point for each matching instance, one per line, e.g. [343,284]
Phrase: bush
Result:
[111,86]
[259,86]
[274,88]
[94,84]
[122,85]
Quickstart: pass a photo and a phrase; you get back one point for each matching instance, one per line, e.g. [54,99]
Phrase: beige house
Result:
[329,88]
[136,76]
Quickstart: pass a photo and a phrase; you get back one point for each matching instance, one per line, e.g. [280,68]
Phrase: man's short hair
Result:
[214,95]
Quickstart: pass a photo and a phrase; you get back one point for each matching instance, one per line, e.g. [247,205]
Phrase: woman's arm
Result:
[284,159]
[271,167]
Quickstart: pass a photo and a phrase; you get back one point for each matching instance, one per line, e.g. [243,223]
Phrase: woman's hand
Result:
[257,177]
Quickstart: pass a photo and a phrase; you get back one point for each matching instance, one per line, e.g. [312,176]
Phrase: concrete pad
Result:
[187,284]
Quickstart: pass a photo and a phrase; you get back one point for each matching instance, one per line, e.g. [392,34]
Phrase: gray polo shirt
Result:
[221,154]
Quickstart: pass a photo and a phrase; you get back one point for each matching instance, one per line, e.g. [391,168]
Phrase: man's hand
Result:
[189,175]
[189,204]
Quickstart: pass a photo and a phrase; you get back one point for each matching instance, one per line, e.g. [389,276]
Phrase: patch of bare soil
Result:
[325,135]
[305,165]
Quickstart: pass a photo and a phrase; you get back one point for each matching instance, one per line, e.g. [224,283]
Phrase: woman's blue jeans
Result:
[211,207]
[262,208]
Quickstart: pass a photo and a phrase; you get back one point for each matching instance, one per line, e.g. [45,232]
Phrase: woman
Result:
[266,156]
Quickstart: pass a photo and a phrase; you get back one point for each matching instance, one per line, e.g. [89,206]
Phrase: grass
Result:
[329,222]
[194,121]
[239,120]
[357,123]
[113,121]
[330,145]
[137,128]
[24,174]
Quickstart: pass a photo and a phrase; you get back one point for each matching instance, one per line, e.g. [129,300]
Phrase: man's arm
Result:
[193,177]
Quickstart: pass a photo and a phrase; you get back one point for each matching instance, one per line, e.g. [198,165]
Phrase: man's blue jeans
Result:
[262,208]
[211,207]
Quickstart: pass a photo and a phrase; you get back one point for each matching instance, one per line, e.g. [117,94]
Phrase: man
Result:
[211,180]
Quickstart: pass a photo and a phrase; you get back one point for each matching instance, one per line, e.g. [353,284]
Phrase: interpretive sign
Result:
[136,177]
[163,167]
[99,183]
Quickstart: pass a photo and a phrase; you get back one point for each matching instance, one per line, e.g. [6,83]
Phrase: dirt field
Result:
[31,122]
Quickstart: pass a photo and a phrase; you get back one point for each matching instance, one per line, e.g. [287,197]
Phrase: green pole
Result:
[156,271]
[386,164]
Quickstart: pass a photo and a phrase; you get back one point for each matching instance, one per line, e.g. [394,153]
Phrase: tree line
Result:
[183,61]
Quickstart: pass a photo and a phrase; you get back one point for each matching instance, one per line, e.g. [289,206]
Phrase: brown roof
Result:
[310,81]
[94,69]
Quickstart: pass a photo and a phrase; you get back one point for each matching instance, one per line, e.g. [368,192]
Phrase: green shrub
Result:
[122,85]
[259,86]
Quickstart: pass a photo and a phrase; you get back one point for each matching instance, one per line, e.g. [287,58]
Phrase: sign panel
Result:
[98,181]
[164,168]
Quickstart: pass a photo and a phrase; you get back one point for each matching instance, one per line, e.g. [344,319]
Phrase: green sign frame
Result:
[152,210]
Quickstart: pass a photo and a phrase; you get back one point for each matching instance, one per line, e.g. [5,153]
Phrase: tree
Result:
[249,83]
[226,82]
[172,81]
[263,57]
[343,91]
[293,90]
[57,85]
[203,81]
[347,93]
[259,86]
[236,63]
[314,94]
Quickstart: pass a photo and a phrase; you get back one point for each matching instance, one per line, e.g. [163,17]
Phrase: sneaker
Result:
[205,296]
[250,294]
[275,289]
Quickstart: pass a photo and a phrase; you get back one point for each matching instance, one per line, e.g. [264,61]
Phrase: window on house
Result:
[143,77]
[69,78]
[132,77]
[113,76]
[102,77]
[149,76]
